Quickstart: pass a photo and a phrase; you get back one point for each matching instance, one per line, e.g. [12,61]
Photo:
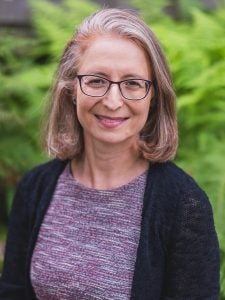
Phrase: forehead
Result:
[111,51]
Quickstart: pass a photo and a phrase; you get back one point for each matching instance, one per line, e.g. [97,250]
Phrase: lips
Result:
[110,122]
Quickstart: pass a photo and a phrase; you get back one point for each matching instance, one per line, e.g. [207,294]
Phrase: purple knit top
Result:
[87,244]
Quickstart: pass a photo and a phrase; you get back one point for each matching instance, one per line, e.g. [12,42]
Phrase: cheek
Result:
[79,96]
[80,105]
[144,112]
[143,109]
[84,107]
[82,115]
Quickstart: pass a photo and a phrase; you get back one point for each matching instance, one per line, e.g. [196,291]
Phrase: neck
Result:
[108,166]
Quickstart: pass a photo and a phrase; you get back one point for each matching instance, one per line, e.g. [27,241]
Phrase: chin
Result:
[117,140]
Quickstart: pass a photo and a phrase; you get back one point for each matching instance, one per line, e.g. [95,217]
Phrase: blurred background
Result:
[192,32]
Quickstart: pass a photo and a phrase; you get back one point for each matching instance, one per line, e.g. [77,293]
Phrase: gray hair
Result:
[63,133]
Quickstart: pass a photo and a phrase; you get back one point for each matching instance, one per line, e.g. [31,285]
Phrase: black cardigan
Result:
[178,254]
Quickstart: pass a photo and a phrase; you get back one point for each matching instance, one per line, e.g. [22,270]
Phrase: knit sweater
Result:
[178,253]
[99,229]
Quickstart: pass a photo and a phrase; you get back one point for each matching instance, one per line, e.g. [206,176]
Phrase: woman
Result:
[111,217]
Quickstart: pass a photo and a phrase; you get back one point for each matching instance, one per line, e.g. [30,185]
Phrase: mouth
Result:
[110,122]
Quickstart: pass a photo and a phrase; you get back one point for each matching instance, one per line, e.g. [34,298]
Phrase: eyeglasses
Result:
[130,89]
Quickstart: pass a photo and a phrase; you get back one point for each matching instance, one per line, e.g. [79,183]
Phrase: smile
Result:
[110,122]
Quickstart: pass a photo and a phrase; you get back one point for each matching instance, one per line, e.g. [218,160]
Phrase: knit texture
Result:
[100,230]
[177,255]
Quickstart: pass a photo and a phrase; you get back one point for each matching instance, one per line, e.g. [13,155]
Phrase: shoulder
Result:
[173,174]
[37,185]
[44,173]
[172,177]
[177,188]
[178,204]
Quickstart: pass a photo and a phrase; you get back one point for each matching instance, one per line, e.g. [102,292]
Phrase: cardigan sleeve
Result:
[192,271]
[30,201]
[12,282]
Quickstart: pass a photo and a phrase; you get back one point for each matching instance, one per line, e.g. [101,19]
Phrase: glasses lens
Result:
[134,89]
[94,86]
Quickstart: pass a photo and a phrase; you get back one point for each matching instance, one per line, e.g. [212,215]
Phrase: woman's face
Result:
[111,119]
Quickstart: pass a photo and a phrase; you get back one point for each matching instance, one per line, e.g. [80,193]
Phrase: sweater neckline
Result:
[68,172]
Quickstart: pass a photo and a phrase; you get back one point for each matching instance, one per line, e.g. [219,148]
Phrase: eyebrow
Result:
[127,76]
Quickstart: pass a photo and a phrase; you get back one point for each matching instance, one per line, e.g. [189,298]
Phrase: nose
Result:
[113,99]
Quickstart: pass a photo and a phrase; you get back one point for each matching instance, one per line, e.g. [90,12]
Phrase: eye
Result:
[95,81]
[133,83]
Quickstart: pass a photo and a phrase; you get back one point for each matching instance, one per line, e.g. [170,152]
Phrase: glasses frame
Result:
[149,83]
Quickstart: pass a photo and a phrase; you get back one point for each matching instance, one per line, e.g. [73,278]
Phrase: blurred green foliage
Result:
[26,68]
[27,63]
[195,48]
